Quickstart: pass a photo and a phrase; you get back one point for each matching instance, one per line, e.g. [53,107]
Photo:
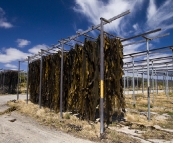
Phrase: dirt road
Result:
[17,128]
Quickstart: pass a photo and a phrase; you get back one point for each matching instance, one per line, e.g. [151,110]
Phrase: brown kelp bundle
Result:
[8,81]
[81,79]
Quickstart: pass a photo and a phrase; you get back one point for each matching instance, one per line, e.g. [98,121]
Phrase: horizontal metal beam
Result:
[89,36]
[151,59]
[143,34]
[142,41]
[155,49]
[90,29]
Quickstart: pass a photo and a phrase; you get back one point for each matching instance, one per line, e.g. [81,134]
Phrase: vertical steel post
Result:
[165,82]
[172,66]
[61,84]
[137,81]
[167,94]
[27,84]
[18,81]
[148,81]
[3,81]
[0,79]
[152,82]
[143,80]
[156,82]
[101,78]
[133,82]
[124,83]
[168,84]
[127,81]
[171,83]
[41,66]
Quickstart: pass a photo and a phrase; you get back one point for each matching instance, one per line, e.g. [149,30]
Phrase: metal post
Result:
[124,83]
[148,81]
[133,82]
[41,64]
[165,82]
[27,81]
[167,94]
[101,78]
[127,81]
[171,83]
[18,80]
[0,79]
[156,82]
[137,81]
[153,82]
[61,84]
[172,66]
[143,80]
[3,81]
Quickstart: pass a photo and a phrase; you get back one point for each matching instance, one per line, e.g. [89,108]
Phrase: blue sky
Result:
[28,26]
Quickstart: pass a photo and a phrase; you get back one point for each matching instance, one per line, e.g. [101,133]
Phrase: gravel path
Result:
[26,130]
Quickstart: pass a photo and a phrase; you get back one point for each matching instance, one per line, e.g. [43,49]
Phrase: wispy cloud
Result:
[22,42]
[151,11]
[37,48]
[153,16]
[12,54]
[10,66]
[160,17]
[3,21]
[93,10]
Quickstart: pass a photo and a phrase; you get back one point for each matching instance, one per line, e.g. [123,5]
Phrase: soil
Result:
[18,128]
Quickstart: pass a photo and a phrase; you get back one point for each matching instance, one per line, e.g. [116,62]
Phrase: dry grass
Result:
[91,130]
[161,105]
[70,123]
[155,134]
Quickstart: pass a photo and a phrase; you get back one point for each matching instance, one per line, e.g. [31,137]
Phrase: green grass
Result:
[67,116]
[170,113]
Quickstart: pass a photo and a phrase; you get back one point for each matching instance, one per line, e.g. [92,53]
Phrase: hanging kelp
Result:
[8,81]
[81,79]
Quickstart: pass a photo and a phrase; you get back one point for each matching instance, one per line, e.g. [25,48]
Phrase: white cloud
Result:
[37,48]
[161,17]
[156,17]
[10,66]
[22,42]
[132,48]
[3,20]
[151,11]
[79,30]
[12,54]
[94,9]
[136,26]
